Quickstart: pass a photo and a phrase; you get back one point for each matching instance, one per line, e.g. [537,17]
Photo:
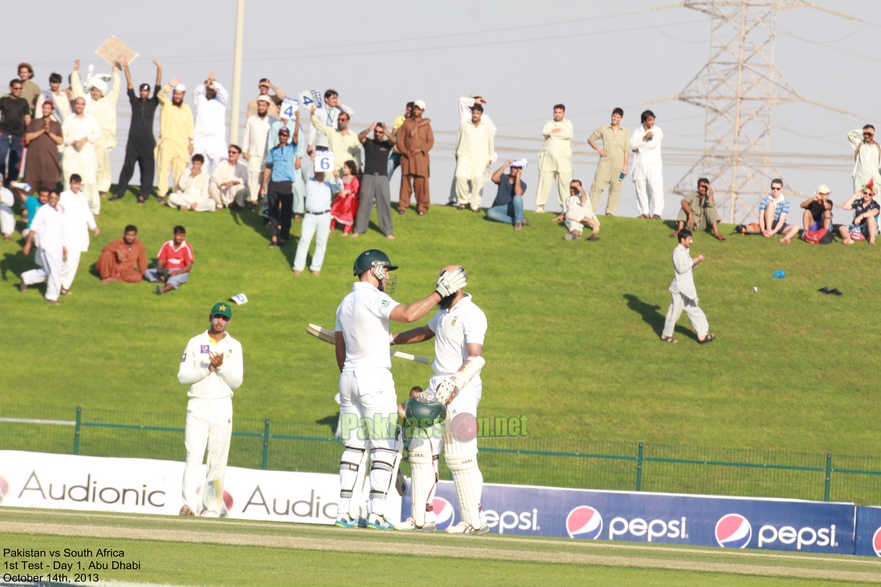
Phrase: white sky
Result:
[522,56]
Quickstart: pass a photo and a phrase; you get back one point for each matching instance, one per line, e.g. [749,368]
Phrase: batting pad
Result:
[469,485]
[350,462]
[382,476]
[422,480]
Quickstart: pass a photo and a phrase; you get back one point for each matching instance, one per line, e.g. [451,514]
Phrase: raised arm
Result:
[128,74]
[497,176]
[158,73]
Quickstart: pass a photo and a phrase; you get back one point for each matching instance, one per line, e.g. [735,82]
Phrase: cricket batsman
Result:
[368,405]
[458,328]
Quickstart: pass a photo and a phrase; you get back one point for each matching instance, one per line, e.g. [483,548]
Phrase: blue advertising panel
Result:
[868,534]
[726,522]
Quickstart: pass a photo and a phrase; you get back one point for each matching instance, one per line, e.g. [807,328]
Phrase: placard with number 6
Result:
[324,161]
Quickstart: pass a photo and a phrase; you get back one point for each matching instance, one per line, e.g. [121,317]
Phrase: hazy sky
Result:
[522,56]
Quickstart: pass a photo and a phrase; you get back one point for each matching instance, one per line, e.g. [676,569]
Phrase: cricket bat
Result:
[329,337]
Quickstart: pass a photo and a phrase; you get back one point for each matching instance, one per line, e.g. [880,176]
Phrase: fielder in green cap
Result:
[212,367]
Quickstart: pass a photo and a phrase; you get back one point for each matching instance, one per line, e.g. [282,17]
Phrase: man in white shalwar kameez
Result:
[866,155]
[648,170]
[555,159]
[474,149]
[78,221]
[192,191]
[48,225]
[81,132]
[229,181]
[209,135]
[256,130]
[101,104]
[465,105]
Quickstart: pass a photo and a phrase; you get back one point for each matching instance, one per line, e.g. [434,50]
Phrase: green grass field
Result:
[572,343]
[180,551]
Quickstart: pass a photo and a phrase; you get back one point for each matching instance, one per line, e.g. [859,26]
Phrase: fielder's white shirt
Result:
[363,318]
[205,384]
[454,328]
[78,220]
[647,162]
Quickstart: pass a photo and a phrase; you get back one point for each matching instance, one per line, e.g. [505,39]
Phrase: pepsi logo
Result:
[4,488]
[444,512]
[876,542]
[584,522]
[227,502]
[733,531]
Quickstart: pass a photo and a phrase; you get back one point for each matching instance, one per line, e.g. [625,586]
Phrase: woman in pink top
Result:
[345,206]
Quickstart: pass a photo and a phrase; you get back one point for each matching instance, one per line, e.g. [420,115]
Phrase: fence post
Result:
[265,443]
[76,433]
[639,466]
[828,475]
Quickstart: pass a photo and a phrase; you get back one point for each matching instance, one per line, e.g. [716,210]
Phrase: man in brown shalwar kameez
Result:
[120,257]
[43,135]
[415,140]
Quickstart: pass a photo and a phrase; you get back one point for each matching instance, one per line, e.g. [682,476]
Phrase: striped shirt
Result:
[781,206]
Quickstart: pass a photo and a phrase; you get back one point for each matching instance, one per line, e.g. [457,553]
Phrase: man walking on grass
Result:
[684,293]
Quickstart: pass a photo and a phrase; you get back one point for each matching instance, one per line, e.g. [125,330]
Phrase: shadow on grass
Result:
[652,316]
[258,222]
[331,422]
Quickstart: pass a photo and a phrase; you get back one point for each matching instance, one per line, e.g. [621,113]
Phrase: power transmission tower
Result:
[737,88]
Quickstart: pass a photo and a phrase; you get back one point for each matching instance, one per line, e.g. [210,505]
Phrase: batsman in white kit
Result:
[368,405]
[459,328]
[212,366]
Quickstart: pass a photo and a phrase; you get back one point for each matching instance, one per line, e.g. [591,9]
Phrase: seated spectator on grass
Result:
[579,213]
[174,262]
[192,191]
[7,219]
[865,216]
[229,181]
[773,212]
[508,205]
[699,211]
[817,211]
[123,259]
[345,205]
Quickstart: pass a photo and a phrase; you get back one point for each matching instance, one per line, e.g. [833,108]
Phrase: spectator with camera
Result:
[508,205]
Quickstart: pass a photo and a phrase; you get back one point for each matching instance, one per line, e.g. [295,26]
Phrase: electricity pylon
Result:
[738,87]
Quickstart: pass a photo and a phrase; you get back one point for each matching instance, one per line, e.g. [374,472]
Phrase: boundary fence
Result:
[523,460]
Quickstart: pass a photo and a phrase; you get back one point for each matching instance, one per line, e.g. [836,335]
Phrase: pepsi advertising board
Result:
[868,533]
[727,522]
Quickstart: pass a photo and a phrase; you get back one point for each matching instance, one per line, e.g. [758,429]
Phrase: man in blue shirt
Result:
[278,181]
[508,205]
[298,139]
[316,222]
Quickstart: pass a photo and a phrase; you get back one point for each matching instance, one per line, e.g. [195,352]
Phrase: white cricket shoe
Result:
[410,526]
[464,527]
[377,522]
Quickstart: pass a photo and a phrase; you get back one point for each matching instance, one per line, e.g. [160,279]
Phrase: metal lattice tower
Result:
[737,88]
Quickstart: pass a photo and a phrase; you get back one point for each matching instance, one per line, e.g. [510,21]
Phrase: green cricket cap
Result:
[223,309]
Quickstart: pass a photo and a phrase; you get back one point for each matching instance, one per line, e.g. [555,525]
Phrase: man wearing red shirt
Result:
[174,262]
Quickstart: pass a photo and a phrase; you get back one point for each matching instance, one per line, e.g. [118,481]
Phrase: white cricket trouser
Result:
[50,272]
[255,177]
[649,196]
[546,180]
[368,420]
[68,271]
[7,220]
[695,315]
[178,199]
[209,423]
[319,227]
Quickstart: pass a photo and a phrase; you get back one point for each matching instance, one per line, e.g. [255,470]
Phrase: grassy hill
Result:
[572,341]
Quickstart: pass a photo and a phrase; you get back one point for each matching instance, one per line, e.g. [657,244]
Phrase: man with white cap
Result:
[415,140]
[81,133]
[209,137]
[141,142]
[101,104]
[175,143]
[256,130]
[818,210]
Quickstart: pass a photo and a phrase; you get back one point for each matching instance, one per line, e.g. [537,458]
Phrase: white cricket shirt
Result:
[454,328]
[205,384]
[363,318]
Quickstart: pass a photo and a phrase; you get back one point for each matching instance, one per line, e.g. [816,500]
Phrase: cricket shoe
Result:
[377,522]
[464,527]
[186,511]
[410,526]
[346,521]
